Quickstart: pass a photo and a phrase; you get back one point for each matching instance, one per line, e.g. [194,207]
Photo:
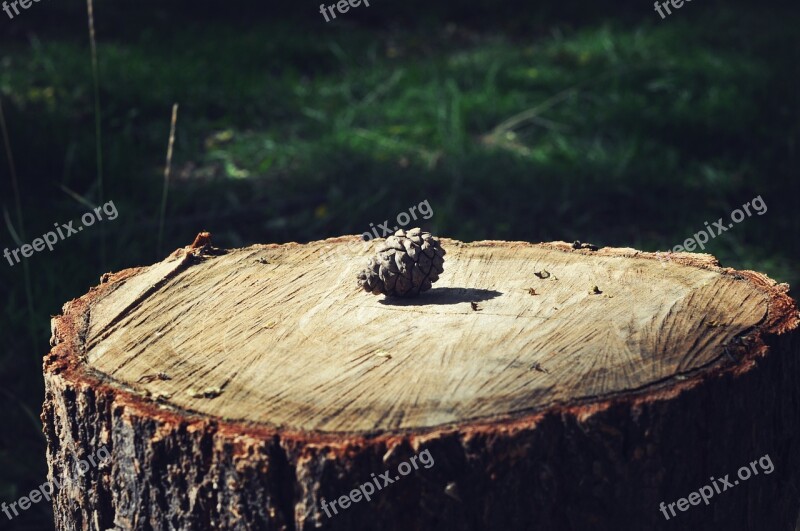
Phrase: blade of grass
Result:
[97,129]
[36,422]
[15,185]
[11,230]
[77,197]
[167,169]
[12,170]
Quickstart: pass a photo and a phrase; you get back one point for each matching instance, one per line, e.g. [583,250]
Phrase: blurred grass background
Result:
[557,121]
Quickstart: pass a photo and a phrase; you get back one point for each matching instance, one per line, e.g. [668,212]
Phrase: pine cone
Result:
[406,265]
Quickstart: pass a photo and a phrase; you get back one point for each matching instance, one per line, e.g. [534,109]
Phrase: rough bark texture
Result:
[600,463]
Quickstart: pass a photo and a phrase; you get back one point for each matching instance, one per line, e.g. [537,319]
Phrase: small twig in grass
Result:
[532,113]
[381,89]
[167,169]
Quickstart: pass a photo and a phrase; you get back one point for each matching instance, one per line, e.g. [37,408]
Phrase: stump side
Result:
[602,464]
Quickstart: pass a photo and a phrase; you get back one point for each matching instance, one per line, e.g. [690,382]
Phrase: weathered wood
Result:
[555,388]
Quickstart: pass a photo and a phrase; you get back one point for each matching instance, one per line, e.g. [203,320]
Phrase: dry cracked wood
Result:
[273,339]
[291,342]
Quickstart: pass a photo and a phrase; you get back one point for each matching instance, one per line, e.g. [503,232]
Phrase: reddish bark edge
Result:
[279,476]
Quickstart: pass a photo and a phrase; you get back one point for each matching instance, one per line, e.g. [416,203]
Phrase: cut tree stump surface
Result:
[290,341]
[557,388]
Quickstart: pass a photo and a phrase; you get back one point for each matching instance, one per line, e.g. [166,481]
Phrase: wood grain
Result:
[290,341]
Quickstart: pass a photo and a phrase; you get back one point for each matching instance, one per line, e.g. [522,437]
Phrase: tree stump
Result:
[542,386]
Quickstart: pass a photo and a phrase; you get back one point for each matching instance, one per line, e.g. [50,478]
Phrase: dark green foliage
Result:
[291,129]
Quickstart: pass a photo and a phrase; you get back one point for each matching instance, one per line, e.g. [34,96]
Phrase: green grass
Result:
[618,133]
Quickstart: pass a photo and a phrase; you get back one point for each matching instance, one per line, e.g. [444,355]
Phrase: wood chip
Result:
[208,392]
[147,378]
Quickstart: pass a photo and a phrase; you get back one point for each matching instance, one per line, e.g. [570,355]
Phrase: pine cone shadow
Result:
[442,296]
